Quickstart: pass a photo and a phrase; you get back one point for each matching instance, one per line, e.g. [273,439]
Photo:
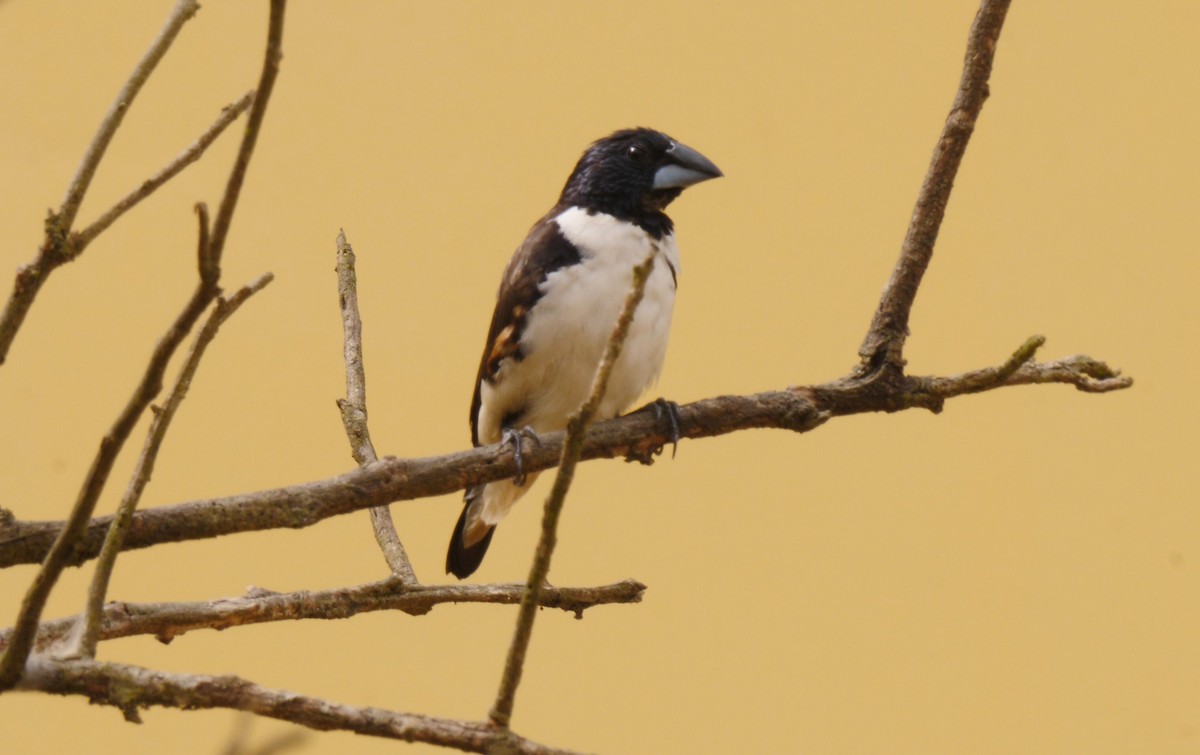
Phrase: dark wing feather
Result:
[544,250]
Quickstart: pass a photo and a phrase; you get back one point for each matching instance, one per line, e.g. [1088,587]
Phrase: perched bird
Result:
[557,305]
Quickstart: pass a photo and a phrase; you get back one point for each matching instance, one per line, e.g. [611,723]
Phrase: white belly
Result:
[569,327]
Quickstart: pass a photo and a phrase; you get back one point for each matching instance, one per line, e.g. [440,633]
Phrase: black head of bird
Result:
[634,174]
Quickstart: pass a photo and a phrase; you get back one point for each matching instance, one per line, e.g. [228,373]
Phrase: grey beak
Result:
[686,167]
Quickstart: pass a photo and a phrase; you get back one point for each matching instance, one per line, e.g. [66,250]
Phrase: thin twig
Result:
[82,642]
[190,155]
[166,621]
[354,409]
[798,409]
[210,252]
[1086,374]
[254,121]
[884,343]
[184,10]
[56,248]
[501,712]
[130,688]
[110,446]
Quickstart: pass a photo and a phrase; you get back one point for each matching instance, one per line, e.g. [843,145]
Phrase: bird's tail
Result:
[471,536]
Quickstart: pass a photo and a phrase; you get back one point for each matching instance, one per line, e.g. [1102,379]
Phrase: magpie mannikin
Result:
[558,301]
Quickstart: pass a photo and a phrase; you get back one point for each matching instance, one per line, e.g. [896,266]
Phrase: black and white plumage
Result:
[559,299]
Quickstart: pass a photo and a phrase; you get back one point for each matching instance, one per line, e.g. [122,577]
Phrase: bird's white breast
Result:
[568,328]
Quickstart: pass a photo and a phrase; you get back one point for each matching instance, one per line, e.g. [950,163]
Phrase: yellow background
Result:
[1018,574]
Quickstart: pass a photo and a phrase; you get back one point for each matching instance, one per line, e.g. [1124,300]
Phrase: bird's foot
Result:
[663,410]
[512,437]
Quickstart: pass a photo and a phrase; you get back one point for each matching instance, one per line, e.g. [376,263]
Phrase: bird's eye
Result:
[637,153]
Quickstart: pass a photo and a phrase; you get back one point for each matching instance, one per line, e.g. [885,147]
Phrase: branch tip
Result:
[1023,355]
[60,244]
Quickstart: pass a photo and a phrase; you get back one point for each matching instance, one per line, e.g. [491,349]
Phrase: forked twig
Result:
[25,627]
[354,409]
[82,642]
[56,248]
[229,114]
[211,246]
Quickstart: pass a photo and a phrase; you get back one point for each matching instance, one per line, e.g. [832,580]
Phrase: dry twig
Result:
[82,642]
[57,248]
[884,343]
[501,712]
[167,621]
[354,409]
[254,121]
[211,247]
[190,155]
[130,688]
[25,627]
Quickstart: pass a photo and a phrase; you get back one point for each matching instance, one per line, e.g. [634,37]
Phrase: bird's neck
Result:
[649,216]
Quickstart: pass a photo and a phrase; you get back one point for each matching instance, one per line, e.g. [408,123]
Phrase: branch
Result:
[266,84]
[130,688]
[354,409]
[68,537]
[211,247]
[884,343]
[83,640]
[190,155]
[167,621]
[799,409]
[1087,374]
[56,247]
[501,712]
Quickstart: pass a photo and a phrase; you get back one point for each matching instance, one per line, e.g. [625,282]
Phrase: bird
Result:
[558,301]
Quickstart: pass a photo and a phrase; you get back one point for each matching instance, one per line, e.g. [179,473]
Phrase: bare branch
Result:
[167,621]
[130,688]
[60,552]
[56,249]
[183,12]
[799,409]
[210,251]
[254,121]
[83,641]
[354,408]
[190,155]
[884,343]
[1087,374]
[501,712]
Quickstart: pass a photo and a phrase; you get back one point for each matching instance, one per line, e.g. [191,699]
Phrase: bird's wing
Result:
[544,250]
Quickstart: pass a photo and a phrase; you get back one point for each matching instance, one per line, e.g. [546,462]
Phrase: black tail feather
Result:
[462,561]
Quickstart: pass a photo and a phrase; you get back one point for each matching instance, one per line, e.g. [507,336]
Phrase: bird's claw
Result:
[663,409]
[669,409]
[512,437]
